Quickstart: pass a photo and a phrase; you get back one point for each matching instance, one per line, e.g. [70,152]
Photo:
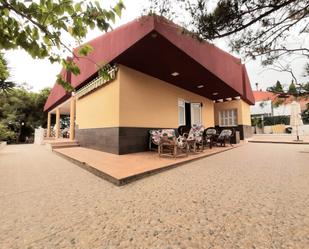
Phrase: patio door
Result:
[189,113]
[196,113]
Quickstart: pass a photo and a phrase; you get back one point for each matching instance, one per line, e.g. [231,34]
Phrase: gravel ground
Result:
[254,196]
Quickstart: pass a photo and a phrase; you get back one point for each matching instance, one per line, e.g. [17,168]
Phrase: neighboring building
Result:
[161,78]
[270,104]
[263,104]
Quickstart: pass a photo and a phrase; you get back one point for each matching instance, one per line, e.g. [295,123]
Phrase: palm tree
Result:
[6,86]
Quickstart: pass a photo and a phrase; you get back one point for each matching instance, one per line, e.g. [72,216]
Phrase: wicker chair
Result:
[195,138]
[183,129]
[154,139]
[210,136]
[170,145]
[225,136]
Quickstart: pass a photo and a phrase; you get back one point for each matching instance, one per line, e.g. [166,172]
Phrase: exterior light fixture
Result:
[215,93]
[228,99]
[220,100]
[200,86]
[175,74]
[154,35]
[238,97]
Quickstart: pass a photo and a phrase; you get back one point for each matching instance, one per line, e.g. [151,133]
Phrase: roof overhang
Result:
[158,57]
[159,48]
[64,107]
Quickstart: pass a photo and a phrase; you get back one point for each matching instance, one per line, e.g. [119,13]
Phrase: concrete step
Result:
[60,144]
[64,145]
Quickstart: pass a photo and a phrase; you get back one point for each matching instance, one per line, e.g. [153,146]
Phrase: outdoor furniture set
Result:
[194,139]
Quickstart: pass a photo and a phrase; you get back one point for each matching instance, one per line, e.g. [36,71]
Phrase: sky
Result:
[41,73]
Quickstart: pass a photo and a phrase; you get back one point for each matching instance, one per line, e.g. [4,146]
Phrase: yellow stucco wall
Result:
[100,108]
[246,114]
[146,101]
[135,99]
[243,111]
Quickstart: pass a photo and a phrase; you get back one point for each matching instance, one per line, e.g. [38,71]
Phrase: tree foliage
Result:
[6,134]
[21,111]
[40,27]
[296,90]
[292,89]
[5,84]
[4,72]
[255,27]
[277,88]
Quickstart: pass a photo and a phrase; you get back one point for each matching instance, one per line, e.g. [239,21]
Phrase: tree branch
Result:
[274,9]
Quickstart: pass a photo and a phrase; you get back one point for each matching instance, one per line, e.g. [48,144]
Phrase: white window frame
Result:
[228,117]
[192,112]
[182,103]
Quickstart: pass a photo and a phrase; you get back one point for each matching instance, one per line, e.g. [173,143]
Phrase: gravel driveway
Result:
[254,196]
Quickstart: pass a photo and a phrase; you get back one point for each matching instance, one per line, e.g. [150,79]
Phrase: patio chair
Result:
[210,136]
[154,139]
[195,138]
[183,129]
[170,145]
[224,137]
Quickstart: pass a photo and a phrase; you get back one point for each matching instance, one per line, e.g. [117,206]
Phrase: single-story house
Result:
[161,77]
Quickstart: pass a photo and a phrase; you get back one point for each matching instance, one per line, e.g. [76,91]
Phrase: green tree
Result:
[5,84]
[39,27]
[277,88]
[292,89]
[21,111]
[6,134]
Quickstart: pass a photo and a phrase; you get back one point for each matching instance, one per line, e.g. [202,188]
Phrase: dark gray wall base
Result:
[116,140]
[105,139]
[247,131]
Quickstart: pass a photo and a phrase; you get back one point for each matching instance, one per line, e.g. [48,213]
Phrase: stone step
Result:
[64,144]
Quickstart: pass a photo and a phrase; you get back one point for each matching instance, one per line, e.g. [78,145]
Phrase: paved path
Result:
[255,196]
[280,138]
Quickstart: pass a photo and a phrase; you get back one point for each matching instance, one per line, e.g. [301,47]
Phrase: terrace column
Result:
[72,118]
[48,124]
[57,122]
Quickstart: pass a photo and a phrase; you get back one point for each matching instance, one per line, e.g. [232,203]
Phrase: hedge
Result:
[277,120]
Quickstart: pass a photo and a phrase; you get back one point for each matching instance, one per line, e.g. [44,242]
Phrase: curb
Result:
[279,142]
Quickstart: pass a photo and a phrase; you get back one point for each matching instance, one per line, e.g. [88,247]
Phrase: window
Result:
[196,113]
[228,117]
[181,112]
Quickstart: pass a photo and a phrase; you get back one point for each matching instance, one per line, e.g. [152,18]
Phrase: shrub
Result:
[6,134]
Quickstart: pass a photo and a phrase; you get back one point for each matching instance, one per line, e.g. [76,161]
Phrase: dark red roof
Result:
[264,95]
[274,97]
[158,47]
